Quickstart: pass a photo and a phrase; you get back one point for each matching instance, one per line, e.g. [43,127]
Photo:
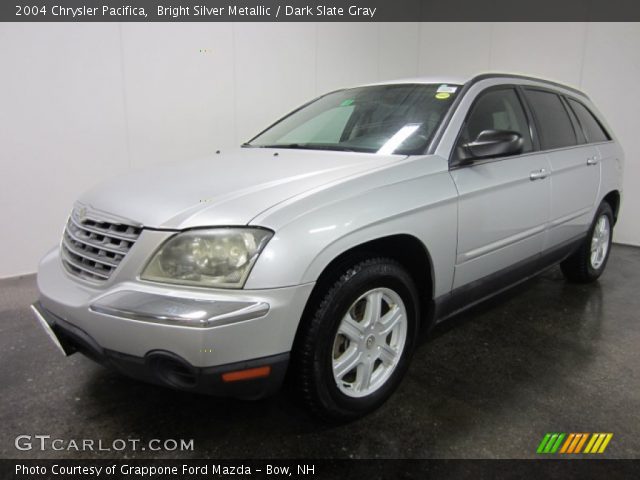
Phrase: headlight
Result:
[220,257]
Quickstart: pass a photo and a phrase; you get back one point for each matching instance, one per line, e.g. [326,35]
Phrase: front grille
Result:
[92,248]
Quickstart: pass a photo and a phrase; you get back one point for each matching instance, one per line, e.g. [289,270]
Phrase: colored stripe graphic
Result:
[567,443]
[581,443]
[555,447]
[573,443]
[550,443]
[598,442]
[543,443]
[605,443]
[576,443]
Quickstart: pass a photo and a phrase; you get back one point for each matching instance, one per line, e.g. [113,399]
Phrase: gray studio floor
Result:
[545,357]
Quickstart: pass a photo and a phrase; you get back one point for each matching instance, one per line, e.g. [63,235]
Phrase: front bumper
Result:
[250,379]
[239,327]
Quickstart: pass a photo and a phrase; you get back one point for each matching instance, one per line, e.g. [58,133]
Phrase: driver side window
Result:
[496,110]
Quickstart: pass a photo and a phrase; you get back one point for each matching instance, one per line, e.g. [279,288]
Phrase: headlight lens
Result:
[220,257]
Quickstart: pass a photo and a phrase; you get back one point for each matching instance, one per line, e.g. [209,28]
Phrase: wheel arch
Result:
[406,249]
[613,199]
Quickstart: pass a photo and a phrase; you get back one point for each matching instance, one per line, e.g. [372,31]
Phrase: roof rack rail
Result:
[485,76]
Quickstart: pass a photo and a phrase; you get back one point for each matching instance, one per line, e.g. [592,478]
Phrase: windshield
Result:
[384,119]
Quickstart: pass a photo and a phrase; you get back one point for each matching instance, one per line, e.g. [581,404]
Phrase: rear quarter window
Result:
[592,128]
[554,125]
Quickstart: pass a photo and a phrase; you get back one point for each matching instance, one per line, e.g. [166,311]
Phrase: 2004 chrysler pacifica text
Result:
[323,246]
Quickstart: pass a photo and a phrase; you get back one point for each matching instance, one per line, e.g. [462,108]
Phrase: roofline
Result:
[469,81]
[458,81]
[486,76]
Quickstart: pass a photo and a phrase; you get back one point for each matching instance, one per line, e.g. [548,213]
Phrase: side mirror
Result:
[493,143]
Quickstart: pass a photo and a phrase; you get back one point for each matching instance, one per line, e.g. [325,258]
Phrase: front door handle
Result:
[538,174]
[592,161]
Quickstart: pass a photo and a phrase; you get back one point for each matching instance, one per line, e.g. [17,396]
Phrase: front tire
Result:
[355,344]
[590,260]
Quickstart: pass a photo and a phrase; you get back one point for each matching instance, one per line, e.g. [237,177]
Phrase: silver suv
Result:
[319,249]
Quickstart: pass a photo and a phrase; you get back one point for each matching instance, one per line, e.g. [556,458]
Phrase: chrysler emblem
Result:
[81,213]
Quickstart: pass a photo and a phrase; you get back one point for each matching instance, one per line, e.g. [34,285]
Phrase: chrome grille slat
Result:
[102,246]
[91,256]
[80,266]
[92,248]
[110,233]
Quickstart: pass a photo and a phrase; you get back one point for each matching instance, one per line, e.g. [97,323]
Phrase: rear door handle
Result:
[538,174]
[592,161]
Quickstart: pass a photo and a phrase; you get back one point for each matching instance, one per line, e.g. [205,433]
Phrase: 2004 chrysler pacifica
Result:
[320,248]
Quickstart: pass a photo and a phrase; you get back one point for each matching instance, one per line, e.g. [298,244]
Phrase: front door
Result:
[503,205]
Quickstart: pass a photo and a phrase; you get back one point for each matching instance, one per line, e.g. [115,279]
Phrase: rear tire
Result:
[590,260]
[355,344]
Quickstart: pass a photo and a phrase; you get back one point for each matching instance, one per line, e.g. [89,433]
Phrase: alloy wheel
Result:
[369,342]
[600,242]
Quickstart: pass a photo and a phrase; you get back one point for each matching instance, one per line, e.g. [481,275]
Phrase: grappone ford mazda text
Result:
[321,247]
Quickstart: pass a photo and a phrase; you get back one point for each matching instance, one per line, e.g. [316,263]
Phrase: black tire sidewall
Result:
[387,275]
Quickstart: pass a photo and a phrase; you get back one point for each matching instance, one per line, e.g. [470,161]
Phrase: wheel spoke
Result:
[346,362]
[388,355]
[363,377]
[351,329]
[390,320]
[372,310]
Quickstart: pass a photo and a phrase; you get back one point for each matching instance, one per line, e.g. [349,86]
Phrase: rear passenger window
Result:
[554,125]
[592,129]
[497,110]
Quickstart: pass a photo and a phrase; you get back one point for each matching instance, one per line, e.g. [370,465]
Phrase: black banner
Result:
[317,11]
[318,469]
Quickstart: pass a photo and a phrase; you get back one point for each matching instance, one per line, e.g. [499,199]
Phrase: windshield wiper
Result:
[315,146]
[282,145]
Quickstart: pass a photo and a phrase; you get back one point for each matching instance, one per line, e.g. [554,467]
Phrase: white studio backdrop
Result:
[83,102]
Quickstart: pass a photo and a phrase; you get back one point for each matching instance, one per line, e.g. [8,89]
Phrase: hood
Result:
[229,188]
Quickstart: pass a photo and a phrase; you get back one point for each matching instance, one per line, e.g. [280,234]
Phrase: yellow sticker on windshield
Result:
[442,95]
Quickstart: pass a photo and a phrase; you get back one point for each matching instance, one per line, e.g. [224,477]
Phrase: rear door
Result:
[504,202]
[575,171]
